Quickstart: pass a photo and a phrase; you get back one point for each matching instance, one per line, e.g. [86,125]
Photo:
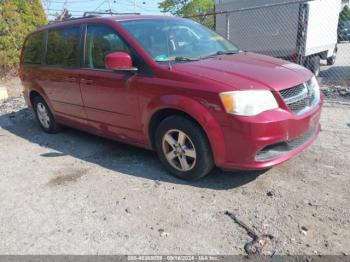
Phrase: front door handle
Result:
[86,81]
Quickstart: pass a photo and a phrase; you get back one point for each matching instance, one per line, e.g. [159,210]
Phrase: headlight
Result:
[248,102]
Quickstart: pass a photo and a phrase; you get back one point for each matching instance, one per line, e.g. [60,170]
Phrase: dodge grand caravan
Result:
[171,85]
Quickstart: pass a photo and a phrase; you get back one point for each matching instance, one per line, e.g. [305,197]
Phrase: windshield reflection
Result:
[178,40]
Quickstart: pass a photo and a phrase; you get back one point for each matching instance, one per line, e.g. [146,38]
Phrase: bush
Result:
[18,18]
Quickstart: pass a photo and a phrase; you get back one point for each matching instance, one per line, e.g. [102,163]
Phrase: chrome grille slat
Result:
[291,92]
[296,95]
[299,98]
[299,105]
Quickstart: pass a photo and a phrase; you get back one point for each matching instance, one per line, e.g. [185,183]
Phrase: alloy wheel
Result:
[179,150]
[43,115]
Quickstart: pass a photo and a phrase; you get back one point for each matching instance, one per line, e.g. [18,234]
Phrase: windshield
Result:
[177,39]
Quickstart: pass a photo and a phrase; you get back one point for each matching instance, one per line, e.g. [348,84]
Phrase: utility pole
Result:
[110,6]
[64,14]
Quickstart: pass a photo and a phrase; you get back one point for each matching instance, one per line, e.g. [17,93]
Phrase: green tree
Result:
[18,18]
[344,15]
[189,8]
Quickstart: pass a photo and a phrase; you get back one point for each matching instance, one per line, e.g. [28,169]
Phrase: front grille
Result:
[300,105]
[300,98]
[273,151]
[291,92]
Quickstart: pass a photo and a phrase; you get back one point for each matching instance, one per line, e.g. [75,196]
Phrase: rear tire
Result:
[314,64]
[331,60]
[44,116]
[183,148]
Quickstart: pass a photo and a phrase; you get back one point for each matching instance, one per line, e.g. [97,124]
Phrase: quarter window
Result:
[33,49]
[100,41]
[63,47]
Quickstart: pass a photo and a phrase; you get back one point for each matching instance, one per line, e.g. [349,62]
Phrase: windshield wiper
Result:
[184,58]
[177,59]
[230,52]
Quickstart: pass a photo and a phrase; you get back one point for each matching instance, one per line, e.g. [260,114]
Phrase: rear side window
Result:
[33,49]
[63,47]
[101,41]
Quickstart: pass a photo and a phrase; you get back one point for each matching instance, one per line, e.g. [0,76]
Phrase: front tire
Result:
[44,116]
[183,148]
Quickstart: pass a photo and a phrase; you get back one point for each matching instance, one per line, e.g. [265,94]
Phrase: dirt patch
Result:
[13,85]
[12,104]
[103,197]
[66,176]
[132,205]
[336,92]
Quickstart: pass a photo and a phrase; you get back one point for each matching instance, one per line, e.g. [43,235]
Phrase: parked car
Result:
[171,85]
[344,31]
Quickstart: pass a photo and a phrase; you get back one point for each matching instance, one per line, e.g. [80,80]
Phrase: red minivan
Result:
[171,85]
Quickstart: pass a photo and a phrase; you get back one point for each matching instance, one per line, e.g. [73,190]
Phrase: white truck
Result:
[303,32]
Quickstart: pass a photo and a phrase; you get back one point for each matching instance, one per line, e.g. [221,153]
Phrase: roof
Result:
[141,17]
[117,18]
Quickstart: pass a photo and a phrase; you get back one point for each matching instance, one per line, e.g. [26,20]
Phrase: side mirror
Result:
[119,61]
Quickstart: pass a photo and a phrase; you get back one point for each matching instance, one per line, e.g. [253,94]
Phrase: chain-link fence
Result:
[309,33]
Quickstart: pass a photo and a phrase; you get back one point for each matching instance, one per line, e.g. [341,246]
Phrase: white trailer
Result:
[303,32]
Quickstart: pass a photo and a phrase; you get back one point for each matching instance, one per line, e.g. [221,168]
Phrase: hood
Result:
[247,71]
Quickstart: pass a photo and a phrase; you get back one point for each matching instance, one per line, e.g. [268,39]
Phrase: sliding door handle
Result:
[86,81]
[70,79]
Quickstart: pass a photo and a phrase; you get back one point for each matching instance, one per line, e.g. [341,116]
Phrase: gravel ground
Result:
[335,80]
[338,75]
[74,193]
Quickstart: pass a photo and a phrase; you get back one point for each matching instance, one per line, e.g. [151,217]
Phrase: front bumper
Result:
[268,139]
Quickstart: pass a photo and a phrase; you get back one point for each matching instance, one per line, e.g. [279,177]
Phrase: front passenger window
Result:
[101,41]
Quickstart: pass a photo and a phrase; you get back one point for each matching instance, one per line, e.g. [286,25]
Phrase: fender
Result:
[197,111]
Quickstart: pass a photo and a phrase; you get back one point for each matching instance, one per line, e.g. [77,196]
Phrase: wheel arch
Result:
[34,92]
[32,95]
[161,114]
[190,108]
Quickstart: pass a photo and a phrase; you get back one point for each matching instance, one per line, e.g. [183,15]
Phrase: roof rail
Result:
[86,14]
[91,15]
[71,19]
